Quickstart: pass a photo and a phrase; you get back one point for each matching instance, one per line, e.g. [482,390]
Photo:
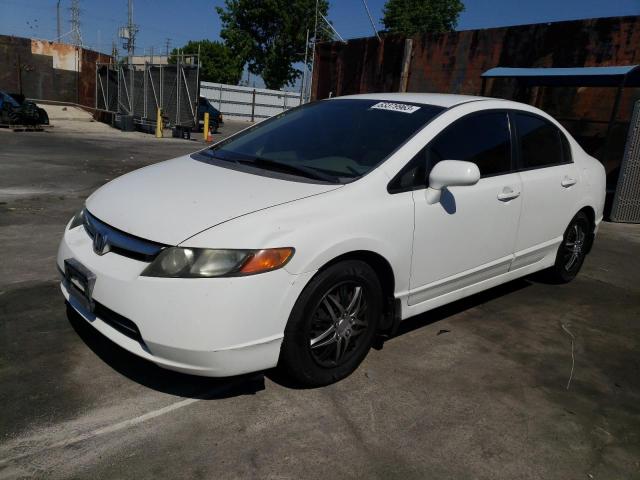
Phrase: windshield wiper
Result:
[268,164]
[308,172]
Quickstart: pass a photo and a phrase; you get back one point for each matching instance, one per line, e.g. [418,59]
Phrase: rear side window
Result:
[542,144]
[483,139]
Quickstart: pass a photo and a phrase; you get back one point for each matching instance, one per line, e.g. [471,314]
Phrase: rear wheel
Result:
[573,249]
[332,324]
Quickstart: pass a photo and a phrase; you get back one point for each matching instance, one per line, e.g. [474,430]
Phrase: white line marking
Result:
[121,425]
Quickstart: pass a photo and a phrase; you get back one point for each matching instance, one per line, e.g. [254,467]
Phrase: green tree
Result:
[217,62]
[409,17]
[269,35]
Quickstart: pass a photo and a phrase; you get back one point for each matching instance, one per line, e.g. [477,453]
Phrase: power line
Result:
[128,32]
[375,30]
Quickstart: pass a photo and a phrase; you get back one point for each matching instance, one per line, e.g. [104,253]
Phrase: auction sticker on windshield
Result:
[395,107]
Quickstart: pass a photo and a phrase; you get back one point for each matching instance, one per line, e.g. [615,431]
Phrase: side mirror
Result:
[450,173]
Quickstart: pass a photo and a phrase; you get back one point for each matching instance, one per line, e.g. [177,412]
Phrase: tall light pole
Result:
[313,52]
[58,20]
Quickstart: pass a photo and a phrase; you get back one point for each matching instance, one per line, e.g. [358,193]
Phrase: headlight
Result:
[77,220]
[180,262]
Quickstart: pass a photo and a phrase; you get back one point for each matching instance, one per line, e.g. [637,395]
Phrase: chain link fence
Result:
[626,203]
[140,89]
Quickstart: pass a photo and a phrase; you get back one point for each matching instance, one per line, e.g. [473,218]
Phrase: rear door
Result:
[549,180]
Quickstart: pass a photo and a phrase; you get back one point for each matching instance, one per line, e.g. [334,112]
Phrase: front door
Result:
[469,236]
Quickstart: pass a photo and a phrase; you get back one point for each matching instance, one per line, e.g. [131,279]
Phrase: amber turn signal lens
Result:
[265,260]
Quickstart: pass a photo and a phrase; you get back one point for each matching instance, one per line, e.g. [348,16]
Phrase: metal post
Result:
[107,102]
[144,89]
[406,64]
[304,73]
[58,20]
[253,105]
[161,88]
[96,80]
[178,90]
[313,52]
[205,130]
[159,123]
[616,106]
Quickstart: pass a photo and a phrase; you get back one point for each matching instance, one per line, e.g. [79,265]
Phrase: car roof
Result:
[445,100]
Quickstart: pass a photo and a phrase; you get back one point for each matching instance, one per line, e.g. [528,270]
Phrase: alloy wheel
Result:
[337,324]
[574,246]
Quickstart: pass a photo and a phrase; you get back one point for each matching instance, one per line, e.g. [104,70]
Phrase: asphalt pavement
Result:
[477,389]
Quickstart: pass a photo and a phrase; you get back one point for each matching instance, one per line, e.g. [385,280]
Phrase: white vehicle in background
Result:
[295,242]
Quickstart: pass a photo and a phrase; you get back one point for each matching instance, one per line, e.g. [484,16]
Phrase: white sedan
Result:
[296,241]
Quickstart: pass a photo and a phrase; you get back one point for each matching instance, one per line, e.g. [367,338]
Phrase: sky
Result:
[185,20]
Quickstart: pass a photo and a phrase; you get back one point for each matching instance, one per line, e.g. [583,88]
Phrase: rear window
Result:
[542,144]
[342,139]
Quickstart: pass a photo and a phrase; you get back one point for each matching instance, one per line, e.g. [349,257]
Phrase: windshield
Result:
[333,140]
[10,100]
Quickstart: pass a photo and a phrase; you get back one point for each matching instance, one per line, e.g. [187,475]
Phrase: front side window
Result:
[334,140]
[483,139]
[541,143]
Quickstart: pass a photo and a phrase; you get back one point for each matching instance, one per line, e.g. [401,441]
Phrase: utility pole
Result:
[167,44]
[128,33]
[304,73]
[76,35]
[313,52]
[58,20]
[128,36]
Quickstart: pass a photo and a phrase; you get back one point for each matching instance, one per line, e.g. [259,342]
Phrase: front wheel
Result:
[332,324]
[572,250]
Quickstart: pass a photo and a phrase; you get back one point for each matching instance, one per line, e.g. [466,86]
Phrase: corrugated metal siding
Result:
[236,102]
[48,70]
[453,62]
[626,203]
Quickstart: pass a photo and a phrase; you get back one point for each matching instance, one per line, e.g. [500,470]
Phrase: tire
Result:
[321,344]
[43,117]
[573,249]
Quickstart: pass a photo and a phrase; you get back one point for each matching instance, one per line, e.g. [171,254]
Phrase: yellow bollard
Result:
[159,124]
[205,130]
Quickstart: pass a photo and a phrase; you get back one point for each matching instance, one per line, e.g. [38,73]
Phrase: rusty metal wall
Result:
[453,62]
[49,71]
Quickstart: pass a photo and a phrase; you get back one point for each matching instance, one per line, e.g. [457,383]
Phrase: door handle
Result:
[567,181]
[507,194]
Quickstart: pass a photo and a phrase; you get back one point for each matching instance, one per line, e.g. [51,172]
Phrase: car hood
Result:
[171,201]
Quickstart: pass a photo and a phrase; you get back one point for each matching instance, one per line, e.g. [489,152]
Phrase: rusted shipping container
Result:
[453,63]
[46,70]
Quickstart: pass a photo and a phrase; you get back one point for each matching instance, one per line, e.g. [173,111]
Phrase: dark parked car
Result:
[16,110]
[215,117]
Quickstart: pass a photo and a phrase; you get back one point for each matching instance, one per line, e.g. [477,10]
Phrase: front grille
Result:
[118,322]
[117,241]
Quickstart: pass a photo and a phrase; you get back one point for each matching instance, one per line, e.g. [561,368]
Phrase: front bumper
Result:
[208,326]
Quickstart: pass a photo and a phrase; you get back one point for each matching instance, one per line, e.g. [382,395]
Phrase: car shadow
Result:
[459,306]
[152,376]
[424,319]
